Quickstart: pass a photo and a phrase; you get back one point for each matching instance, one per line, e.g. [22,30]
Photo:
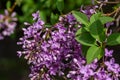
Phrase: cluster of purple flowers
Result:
[107,70]
[7,24]
[50,51]
[54,54]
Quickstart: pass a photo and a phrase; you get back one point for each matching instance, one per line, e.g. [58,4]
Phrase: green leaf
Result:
[79,31]
[79,2]
[105,19]
[19,2]
[85,38]
[43,15]
[53,18]
[48,3]
[84,50]
[60,5]
[8,5]
[82,18]
[93,53]
[97,30]
[113,39]
[95,17]
[13,36]
[87,2]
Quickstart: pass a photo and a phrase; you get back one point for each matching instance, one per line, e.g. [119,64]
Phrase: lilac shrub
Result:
[7,24]
[53,53]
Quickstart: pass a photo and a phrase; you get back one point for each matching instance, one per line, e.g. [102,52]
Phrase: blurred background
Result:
[11,66]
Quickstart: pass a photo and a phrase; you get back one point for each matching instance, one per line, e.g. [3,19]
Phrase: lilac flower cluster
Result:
[107,70]
[50,51]
[7,24]
[53,53]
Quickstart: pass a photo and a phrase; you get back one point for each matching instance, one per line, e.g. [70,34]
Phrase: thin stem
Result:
[109,14]
[104,2]
[64,78]
[13,7]
[92,78]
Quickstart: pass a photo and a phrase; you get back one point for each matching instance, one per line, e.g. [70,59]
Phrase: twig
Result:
[109,14]
[12,8]
[104,2]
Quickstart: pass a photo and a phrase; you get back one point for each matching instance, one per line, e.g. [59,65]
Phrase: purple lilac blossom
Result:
[7,24]
[107,71]
[54,52]
[89,10]
[109,24]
